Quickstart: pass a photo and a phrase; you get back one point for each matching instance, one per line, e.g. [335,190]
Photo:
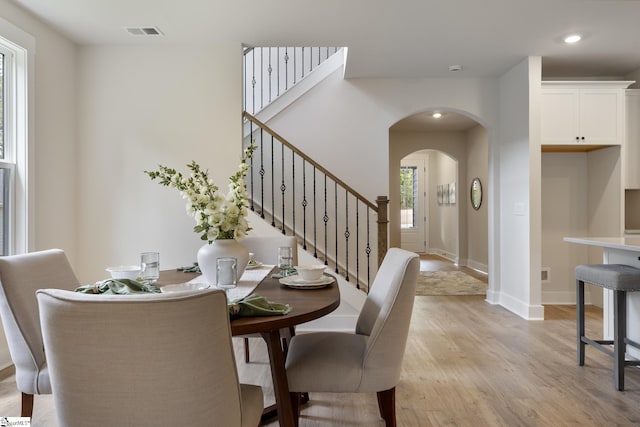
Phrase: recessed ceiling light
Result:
[573,38]
[455,67]
[436,115]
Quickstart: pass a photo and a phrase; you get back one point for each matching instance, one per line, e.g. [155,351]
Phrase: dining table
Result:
[306,304]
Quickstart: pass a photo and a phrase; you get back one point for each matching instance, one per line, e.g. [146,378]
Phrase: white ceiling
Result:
[449,122]
[386,38]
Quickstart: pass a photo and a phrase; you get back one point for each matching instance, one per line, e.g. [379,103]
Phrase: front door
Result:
[413,218]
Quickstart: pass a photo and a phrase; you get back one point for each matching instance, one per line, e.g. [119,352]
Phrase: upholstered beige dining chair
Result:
[20,277]
[370,359]
[144,360]
[265,250]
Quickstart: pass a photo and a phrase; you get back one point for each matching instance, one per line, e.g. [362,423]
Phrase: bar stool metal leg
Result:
[580,321]
[619,334]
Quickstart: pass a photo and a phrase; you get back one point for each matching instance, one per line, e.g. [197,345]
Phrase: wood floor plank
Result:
[467,363]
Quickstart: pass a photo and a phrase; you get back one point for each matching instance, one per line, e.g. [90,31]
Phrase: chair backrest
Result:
[385,318]
[265,248]
[20,277]
[145,359]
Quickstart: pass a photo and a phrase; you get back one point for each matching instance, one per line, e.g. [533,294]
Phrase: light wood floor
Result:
[467,363]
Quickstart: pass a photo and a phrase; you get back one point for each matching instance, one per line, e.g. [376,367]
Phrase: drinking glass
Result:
[150,266]
[226,272]
[285,259]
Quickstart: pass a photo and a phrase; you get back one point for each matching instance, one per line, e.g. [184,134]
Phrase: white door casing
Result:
[414,238]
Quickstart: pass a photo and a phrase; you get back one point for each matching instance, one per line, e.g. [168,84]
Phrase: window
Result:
[408,191]
[4,179]
[12,148]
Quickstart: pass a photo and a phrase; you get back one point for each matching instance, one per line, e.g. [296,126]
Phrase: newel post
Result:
[383,221]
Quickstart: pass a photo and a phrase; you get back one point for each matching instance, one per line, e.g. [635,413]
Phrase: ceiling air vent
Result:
[144,31]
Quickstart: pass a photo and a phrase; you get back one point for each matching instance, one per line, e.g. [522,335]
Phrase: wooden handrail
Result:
[379,209]
[310,160]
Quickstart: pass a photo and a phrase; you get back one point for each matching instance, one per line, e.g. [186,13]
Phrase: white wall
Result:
[517,245]
[103,115]
[52,144]
[139,107]
[564,213]
[444,224]
[52,155]
[354,117]
[477,220]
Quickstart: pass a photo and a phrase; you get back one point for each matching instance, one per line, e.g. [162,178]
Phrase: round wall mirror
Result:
[476,193]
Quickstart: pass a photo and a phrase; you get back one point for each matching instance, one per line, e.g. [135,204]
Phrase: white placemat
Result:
[246,284]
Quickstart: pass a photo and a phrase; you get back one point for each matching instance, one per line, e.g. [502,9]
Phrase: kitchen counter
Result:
[630,243]
[618,250]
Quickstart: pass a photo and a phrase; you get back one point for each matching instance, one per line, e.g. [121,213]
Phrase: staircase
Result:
[270,72]
[288,189]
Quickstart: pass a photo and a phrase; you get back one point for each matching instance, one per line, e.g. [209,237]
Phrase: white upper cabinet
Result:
[585,113]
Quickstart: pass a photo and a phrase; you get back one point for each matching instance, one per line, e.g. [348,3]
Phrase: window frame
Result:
[15,161]
[414,196]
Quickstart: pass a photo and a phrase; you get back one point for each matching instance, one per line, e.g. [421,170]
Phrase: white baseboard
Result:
[479,267]
[516,306]
[444,254]
[563,298]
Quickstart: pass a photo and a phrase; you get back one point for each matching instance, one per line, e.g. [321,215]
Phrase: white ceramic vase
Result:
[210,252]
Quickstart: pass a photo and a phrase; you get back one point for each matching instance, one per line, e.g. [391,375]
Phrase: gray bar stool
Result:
[621,279]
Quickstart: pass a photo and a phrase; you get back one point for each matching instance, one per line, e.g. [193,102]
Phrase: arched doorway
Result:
[453,152]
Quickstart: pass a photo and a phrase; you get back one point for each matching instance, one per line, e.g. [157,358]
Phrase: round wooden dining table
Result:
[306,304]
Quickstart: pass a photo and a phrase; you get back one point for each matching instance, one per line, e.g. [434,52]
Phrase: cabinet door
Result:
[601,117]
[559,115]
[579,115]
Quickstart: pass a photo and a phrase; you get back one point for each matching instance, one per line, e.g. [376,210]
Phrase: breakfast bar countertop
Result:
[628,243]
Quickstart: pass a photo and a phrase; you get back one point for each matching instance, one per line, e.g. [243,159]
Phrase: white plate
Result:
[298,282]
[184,287]
[252,266]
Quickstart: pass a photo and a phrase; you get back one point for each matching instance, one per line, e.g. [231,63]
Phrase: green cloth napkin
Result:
[252,305]
[285,272]
[195,268]
[119,287]
[256,305]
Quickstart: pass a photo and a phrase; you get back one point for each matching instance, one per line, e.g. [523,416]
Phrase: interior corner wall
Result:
[140,106]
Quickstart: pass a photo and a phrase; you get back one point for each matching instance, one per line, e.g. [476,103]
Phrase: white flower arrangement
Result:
[217,216]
